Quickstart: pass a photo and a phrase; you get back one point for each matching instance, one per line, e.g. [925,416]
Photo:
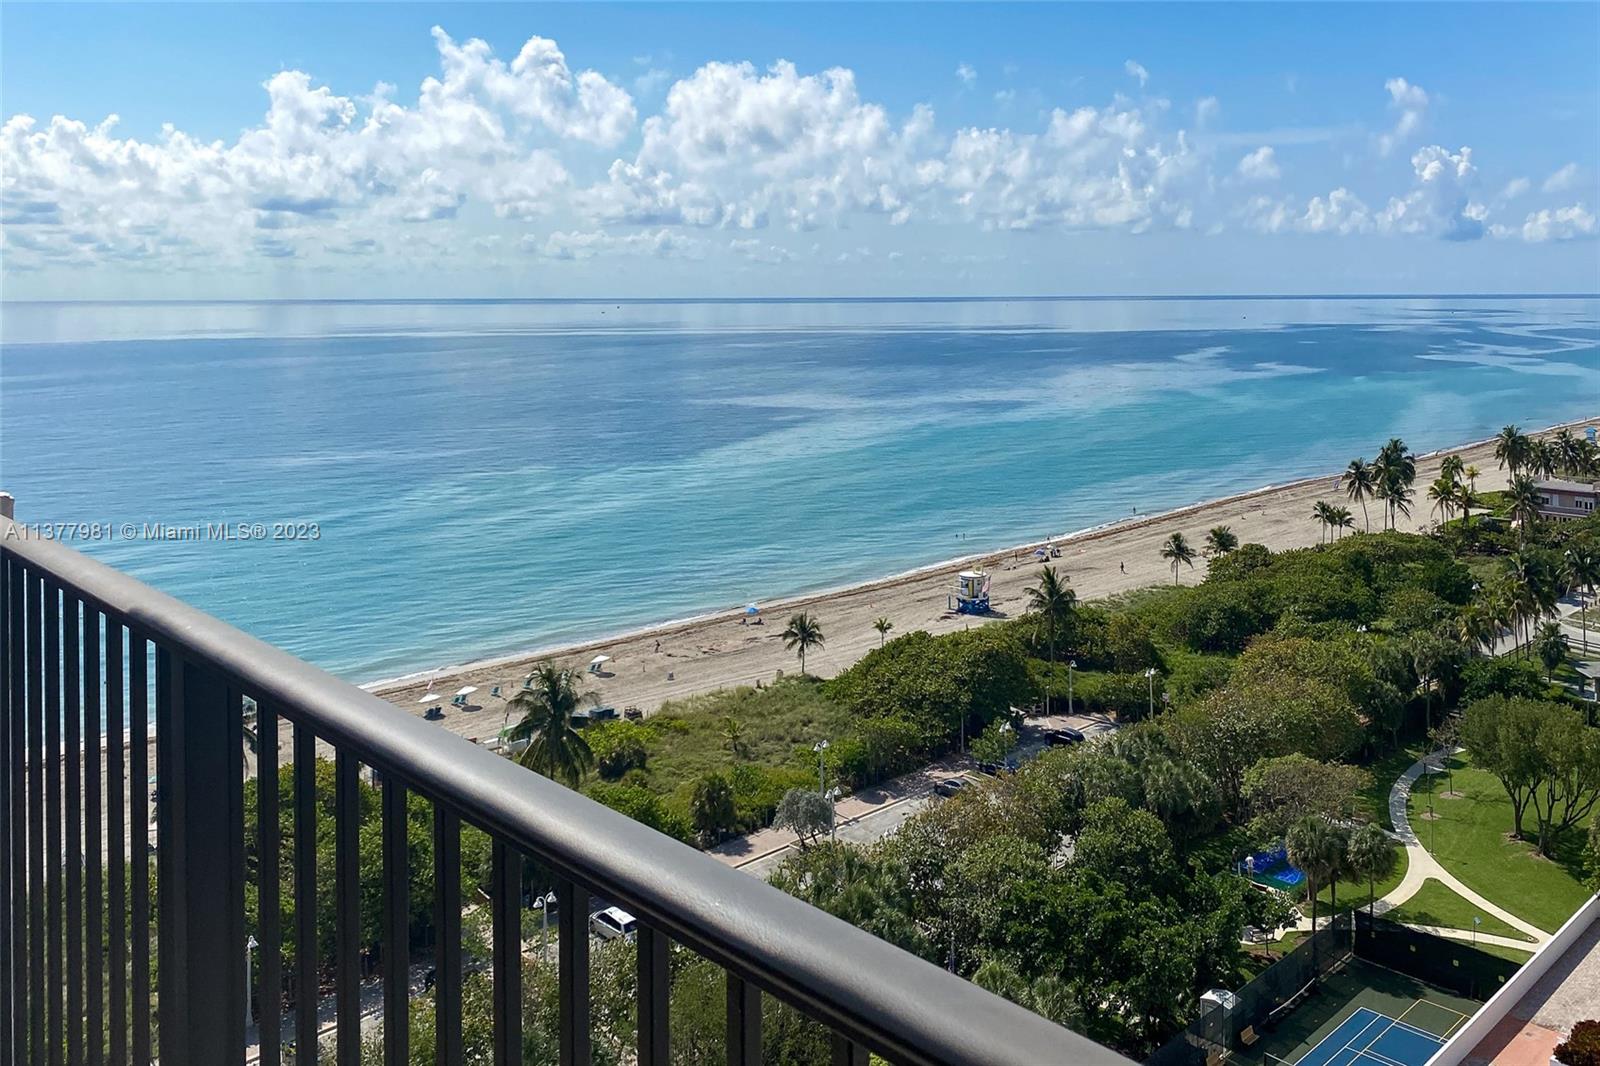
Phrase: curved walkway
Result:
[1422,865]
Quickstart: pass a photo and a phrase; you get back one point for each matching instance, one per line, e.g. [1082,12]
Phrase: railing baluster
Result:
[347,907]
[269,1004]
[55,970]
[116,845]
[72,754]
[36,976]
[305,895]
[655,989]
[506,899]
[744,1022]
[573,973]
[199,736]
[847,1052]
[396,926]
[447,935]
[94,840]
[8,713]
[139,840]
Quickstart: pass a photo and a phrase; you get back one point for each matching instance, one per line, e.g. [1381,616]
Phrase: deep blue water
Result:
[493,477]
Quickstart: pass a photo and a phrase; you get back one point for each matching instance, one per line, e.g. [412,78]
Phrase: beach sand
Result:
[720,651]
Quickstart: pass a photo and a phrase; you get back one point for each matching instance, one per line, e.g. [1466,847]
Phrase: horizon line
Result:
[1151,298]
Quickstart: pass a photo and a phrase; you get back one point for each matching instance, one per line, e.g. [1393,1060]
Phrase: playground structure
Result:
[971,595]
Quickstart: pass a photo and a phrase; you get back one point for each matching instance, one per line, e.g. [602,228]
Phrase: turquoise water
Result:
[493,477]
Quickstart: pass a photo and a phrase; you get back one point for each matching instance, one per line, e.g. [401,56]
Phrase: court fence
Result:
[1453,965]
[1269,994]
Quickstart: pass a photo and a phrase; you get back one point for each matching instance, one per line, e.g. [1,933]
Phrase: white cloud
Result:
[1259,165]
[1515,187]
[1554,224]
[1440,204]
[967,75]
[1206,110]
[1412,103]
[1136,70]
[1340,212]
[661,243]
[758,251]
[1562,180]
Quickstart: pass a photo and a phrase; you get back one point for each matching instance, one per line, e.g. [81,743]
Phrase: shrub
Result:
[757,791]
[1501,677]
[805,812]
[643,806]
[1124,696]
[618,747]
[1582,1048]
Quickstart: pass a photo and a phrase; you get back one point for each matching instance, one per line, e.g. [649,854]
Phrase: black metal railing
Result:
[100,963]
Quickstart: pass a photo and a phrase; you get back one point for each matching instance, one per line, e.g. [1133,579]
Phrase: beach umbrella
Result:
[466,690]
[751,608]
[429,698]
[598,659]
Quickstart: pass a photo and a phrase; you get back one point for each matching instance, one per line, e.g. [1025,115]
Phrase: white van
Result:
[612,923]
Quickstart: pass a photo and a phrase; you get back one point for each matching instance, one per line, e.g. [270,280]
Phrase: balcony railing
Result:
[86,649]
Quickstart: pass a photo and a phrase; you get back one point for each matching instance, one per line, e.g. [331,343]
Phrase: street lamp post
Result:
[1150,675]
[1072,664]
[543,903]
[250,945]
[833,813]
[822,769]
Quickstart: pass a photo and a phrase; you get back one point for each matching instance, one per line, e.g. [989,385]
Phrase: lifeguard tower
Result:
[971,595]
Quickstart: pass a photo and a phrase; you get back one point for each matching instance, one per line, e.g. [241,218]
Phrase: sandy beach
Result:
[672,661]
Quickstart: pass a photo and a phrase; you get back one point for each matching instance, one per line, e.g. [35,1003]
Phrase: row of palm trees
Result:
[1527,593]
[1563,452]
[1323,851]
[1388,478]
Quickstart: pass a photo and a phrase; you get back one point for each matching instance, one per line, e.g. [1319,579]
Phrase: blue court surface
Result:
[1368,1038]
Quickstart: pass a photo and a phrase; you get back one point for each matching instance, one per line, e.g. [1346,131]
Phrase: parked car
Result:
[613,923]
[949,786]
[633,714]
[1062,735]
[593,714]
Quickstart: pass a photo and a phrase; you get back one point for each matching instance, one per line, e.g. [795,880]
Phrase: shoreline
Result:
[852,598]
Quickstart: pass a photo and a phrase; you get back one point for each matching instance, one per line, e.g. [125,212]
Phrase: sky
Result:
[237,151]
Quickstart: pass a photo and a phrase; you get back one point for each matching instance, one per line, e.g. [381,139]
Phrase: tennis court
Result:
[1368,1038]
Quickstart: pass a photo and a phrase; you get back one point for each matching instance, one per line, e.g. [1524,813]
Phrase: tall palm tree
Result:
[1322,513]
[1342,520]
[1511,449]
[1550,644]
[1054,602]
[1220,540]
[1443,492]
[803,634]
[1317,850]
[1177,550]
[1523,494]
[1451,468]
[1360,483]
[1477,627]
[1370,853]
[1395,470]
[1543,458]
[882,625]
[1531,589]
[555,749]
[1471,474]
[1581,567]
[1570,452]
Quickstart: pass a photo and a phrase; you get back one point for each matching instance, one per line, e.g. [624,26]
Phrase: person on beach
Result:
[1120,566]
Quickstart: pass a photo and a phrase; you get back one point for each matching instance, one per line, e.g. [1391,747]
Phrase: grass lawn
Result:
[774,721]
[1471,839]
[1510,954]
[1436,904]
[1374,800]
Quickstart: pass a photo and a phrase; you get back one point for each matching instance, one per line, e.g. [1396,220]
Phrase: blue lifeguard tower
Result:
[971,595]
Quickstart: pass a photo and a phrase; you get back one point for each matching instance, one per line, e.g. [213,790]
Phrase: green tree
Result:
[805,813]
[1523,496]
[1176,550]
[554,747]
[733,736]
[803,634]
[1581,567]
[1550,645]
[882,625]
[711,808]
[1511,449]
[1317,849]
[1371,853]
[1052,602]
[995,743]
[1360,484]
[1280,791]
[1220,540]
[1394,472]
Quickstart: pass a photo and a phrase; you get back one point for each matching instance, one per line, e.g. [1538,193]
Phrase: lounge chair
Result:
[495,693]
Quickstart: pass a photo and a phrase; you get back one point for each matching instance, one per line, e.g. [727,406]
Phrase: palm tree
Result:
[1524,496]
[1177,550]
[1581,567]
[1543,458]
[1511,449]
[1550,645]
[1394,471]
[1360,484]
[1570,452]
[882,625]
[1531,590]
[1477,627]
[1054,602]
[803,634]
[1451,468]
[733,735]
[1317,850]
[1443,493]
[1322,513]
[1343,520]
[1220,540]
[555,749]
[1471,473]
[1370,853]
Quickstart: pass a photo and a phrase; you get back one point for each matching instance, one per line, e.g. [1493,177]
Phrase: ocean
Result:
[490,477]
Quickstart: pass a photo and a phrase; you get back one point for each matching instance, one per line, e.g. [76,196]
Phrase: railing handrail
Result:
[891,1001]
